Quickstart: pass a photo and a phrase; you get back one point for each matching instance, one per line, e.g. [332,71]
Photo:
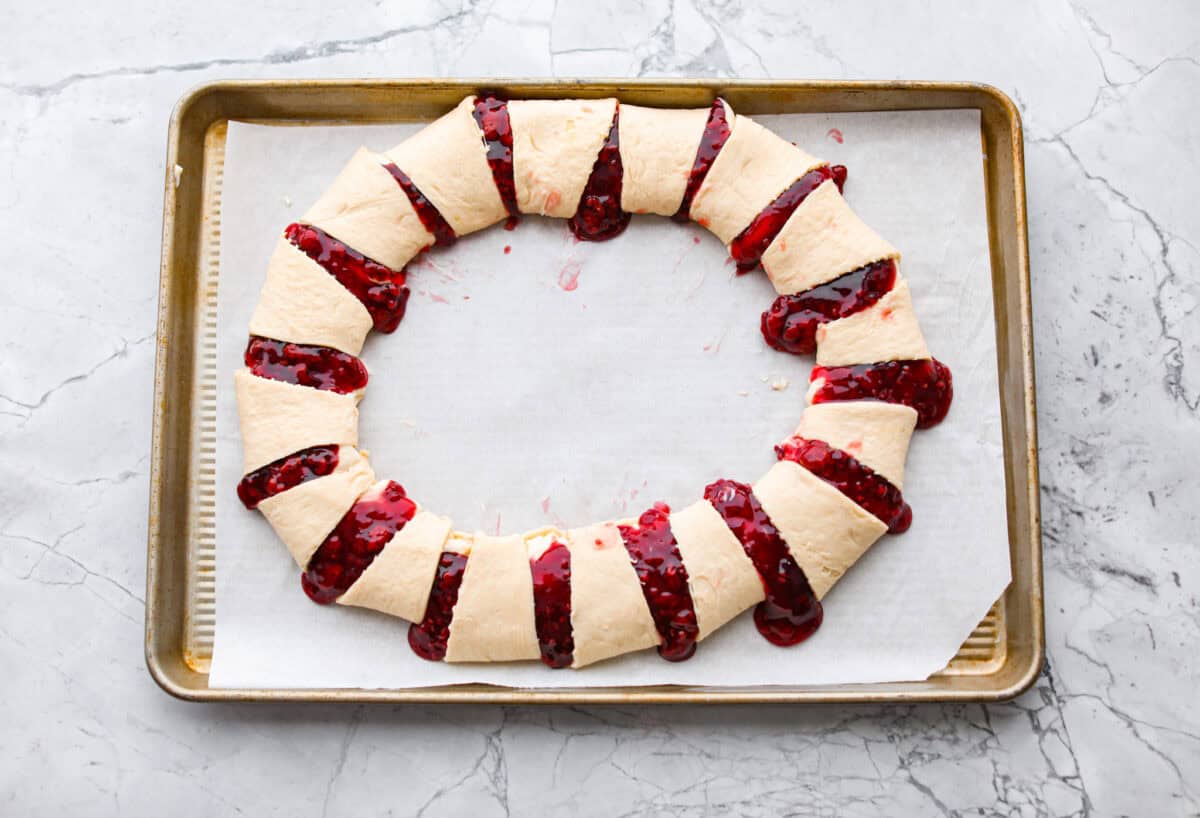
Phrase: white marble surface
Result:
[1107,90]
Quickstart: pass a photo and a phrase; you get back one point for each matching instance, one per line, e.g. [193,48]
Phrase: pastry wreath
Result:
[666,579]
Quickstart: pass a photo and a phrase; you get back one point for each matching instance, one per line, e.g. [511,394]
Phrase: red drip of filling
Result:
[491,114]
[430,216]
[380,289]
[552,605]
[655,556]
[428,638]
[286,473]
[599,216]
[844,472]
[318,367]
[791,323]
[748,247]
[716,133]
[791,612]
[925,385]
[356,541]
[840,172]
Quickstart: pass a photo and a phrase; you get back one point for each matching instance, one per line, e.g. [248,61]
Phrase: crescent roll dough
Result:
[825,530]
[820,241]
[721,578]
[873,432]
[398,581]
[302,303]
[447,161]
[752,169]
[658,148]
[493,618]
[608,610]
[368,210]
[554,149]
[885,331]
[304,515]
[280,418]
[555,143]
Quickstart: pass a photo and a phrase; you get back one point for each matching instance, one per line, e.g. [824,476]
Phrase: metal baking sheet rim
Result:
[175,466]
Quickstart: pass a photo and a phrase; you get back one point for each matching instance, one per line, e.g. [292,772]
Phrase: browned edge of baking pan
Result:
[173,472]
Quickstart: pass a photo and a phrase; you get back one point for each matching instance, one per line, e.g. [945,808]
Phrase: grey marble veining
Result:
[1113,138]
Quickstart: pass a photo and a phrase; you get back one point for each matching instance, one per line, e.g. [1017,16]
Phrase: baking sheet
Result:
[561,382]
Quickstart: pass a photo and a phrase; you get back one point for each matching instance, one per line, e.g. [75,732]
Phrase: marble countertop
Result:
[1113,162]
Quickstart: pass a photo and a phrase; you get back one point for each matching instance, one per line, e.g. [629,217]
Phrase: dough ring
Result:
[668,578]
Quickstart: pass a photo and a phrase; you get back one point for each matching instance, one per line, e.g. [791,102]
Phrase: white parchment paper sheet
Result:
[541,380]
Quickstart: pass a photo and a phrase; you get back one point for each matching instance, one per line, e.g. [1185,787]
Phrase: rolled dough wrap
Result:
[555,143]
[825,530]
[822,240]
[873,432]
[279,418]
[493,618]
[752,169]
[303,304]
[397,582]
[369,211]
[447,161]
[304,515]
[885,331]
[721,578]
[658,148]
[608,611]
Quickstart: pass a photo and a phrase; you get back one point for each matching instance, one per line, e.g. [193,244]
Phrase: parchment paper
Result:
[565,382]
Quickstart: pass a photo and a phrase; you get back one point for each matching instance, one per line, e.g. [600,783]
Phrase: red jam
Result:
[287,473]
[429,637]
[552,605]
[380,289]
[840,173]
[356,541]
[430,216]
[790,325]
[924,384]
[748,247]
[716,133]
[844,472]
[491,114]
[655,556]
[318,367]
[791,612]
[599,216]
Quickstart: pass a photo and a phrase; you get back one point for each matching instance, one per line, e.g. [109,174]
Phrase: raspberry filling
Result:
[925,385]
[491,114]
[852,478]
[748,247]
[716,133]
[430,216]
[791,612]
[356,541]
[790,325]
[287,473]
[655,556]
[599,216]
[429,637]
[318,367]
[552,605]
[380,289]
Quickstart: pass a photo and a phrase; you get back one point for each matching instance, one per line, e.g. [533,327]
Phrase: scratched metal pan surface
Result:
[1000,659]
